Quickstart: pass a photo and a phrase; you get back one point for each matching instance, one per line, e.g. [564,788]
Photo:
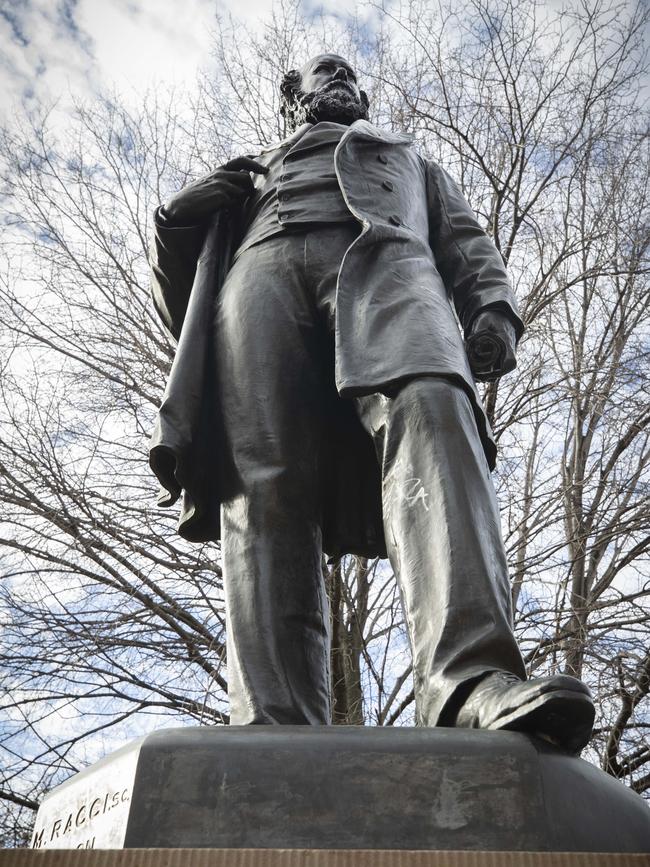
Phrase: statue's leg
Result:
[268,360]
[442,528]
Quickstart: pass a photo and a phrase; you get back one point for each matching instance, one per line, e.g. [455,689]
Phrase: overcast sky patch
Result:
[73,48]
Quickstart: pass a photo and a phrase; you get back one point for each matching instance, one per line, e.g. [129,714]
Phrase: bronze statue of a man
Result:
[322,398]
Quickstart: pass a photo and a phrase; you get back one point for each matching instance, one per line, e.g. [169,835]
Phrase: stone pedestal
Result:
[294,787]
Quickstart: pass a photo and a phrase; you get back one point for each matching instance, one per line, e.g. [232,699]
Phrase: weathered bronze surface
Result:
[343,787]
[322,397]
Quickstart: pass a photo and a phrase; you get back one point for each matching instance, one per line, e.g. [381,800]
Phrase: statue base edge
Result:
[343,788]
[310,858]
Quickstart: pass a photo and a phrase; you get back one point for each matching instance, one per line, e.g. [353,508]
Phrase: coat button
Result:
[382,159]
[395,220]
[387,186]
[284,197]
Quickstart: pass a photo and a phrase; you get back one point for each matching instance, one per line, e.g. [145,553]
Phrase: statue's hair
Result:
[289,85]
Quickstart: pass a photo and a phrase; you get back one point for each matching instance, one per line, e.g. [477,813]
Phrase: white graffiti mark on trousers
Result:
[414,492]
[411,492]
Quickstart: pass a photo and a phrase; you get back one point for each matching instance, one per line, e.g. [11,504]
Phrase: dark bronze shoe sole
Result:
[565,717]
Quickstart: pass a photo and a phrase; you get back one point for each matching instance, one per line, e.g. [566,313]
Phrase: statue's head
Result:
[325,88]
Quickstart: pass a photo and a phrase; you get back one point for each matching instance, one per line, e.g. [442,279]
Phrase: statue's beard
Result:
[335,102]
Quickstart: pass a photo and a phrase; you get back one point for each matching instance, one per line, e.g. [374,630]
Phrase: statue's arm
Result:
[180,227]
[173,256]
[474,275]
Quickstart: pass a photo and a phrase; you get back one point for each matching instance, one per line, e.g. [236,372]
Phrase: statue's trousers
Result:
[274,324]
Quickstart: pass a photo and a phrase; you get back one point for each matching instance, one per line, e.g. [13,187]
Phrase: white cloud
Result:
[74,47]
[41,51]
[140,42]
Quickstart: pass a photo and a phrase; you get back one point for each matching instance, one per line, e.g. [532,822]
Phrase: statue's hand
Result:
[225,186]
[491,345]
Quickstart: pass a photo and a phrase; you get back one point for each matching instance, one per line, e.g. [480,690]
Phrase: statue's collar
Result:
[365,129]
[361,128]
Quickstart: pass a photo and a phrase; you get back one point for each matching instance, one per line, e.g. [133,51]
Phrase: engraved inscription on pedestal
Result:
[91,810]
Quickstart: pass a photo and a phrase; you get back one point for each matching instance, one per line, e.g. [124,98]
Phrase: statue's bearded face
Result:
[328,90]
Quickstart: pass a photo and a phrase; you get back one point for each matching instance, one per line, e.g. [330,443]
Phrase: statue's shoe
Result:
[558,708]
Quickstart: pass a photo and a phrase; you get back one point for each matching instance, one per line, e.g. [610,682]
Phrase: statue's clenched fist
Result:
[491,345]
[225,186]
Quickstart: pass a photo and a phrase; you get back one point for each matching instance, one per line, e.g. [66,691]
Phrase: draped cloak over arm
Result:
[188,267]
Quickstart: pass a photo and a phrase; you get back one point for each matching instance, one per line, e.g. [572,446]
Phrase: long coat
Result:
[420,266]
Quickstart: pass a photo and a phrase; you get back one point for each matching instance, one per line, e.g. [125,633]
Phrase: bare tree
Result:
[105,615]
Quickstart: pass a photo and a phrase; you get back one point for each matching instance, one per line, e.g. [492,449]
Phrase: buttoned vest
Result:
[300,190]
